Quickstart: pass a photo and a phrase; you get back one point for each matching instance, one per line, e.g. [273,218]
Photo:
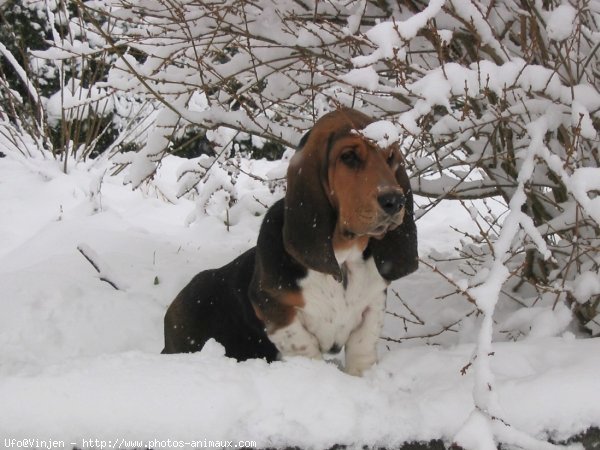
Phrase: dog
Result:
[316,282]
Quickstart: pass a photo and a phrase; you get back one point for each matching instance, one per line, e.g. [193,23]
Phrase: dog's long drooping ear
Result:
[309,219]
[396,255]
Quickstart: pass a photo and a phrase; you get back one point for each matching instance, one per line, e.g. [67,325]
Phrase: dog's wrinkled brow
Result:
[339,134]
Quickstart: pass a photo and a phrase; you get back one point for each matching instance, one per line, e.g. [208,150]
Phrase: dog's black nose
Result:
[391,202]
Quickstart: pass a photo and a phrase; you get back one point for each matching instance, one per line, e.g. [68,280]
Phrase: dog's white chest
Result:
[333,310]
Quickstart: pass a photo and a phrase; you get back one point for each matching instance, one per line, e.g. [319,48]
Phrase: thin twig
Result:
[96,264]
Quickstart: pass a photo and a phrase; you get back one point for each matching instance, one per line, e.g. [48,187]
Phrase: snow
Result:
[20,72]
[586,285]
[470,12]
[560,22]
[80,359]
[390,36]
[77,102]
[583,180]
[476,433]
[88,266]
[364,77]
[383,132]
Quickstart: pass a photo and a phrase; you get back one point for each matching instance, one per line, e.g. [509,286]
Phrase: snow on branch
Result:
[105,272]
[20,73]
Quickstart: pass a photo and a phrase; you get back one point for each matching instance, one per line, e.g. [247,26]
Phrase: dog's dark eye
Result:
[350,158]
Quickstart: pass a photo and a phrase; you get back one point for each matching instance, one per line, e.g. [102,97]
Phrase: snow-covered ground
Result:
[80,362]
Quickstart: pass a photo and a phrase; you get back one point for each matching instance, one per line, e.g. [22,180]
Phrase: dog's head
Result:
[341,186]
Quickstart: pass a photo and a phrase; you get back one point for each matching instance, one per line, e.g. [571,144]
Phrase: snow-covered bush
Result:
[515,116]
[493,100]
[51,72]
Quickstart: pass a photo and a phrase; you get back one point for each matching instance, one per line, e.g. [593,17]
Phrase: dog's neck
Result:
[344,245]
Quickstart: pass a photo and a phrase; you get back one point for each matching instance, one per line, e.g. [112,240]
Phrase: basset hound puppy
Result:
[316,281]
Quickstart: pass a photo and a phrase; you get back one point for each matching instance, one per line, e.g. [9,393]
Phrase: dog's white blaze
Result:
[335,315]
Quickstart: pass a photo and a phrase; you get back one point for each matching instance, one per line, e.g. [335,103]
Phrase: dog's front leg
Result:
[295,340]
[361,347]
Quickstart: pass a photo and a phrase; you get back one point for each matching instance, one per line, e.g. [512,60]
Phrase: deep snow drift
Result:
[79,359]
